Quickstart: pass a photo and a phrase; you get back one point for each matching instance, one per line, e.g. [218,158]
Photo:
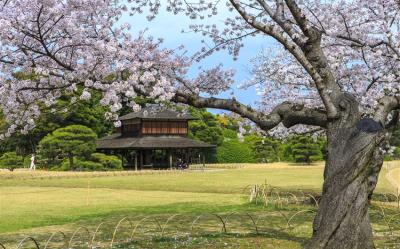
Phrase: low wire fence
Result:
[133,229]
[289,212]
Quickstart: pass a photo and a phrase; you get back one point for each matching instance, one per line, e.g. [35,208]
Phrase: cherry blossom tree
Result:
[334,66]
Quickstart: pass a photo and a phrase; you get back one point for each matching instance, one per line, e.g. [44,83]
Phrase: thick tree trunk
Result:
[353,163]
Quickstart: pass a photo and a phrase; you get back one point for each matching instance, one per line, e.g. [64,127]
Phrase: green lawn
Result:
[307,178]
[39,204]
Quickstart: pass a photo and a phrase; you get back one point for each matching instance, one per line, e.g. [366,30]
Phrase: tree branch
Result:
[385,106]
[289,114]
[279,17]
[301,20]
[317,65]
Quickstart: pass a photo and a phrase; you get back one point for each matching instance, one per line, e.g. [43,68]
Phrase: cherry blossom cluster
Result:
[50,48]
[360,39]
[361,42]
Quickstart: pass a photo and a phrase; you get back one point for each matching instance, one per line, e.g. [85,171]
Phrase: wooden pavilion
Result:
[154,137]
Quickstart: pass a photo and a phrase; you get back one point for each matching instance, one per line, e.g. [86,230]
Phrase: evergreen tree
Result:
[205,128]
[264,149]
[87,113]
[11,161]
[267,150]
[305,149]
[68,142]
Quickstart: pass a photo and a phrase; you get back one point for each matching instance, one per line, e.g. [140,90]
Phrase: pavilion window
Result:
[165,127]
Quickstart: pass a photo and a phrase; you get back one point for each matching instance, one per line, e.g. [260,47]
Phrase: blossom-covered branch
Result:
[322,50]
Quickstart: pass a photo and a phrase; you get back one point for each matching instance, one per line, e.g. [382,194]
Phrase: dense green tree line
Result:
[65,140]
[88,113]
[222,130]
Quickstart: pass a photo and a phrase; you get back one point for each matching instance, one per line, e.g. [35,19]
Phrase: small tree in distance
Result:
[266,150]
[306,150]
[11,161]
[68,142]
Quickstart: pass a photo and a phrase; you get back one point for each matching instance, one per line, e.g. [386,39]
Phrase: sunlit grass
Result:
[41,202]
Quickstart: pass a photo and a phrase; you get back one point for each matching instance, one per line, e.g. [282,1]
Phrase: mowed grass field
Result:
[42,202]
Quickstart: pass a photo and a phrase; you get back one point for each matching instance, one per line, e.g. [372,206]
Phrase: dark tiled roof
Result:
[115,141]
[157,112]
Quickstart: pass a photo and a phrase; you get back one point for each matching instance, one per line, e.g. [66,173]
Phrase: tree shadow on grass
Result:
[190,210]
[217,238]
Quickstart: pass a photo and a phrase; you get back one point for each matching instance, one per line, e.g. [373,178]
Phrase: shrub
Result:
[11,161]
[108,162]
[97,162]
[81,165]
[26,161]
[233,151]
[88,165]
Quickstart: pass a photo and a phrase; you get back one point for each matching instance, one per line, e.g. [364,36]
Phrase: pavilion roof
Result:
[115,141]
[157,112]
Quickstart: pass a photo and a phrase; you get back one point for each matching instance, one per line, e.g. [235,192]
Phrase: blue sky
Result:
[169,27]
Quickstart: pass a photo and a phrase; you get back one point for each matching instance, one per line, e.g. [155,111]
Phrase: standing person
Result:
[179,163]
[33,165]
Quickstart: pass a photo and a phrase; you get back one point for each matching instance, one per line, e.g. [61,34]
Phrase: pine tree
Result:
[306,150]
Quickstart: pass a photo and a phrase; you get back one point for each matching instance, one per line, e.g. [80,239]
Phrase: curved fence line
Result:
[21,243]
[53,235]
[234,222]
[167,221]
[253,221]
[143,220]
[76,232]
[95,233]
[116,229]
[219,218]
[297,213]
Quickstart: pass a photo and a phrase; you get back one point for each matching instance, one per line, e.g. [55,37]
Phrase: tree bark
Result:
[354,159]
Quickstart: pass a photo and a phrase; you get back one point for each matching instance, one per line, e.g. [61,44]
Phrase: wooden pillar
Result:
[204,160]
[122,158]
[187,151]
[170,158]
[136,161]
[141,158]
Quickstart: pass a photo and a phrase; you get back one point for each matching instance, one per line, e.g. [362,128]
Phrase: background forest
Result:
[86,119]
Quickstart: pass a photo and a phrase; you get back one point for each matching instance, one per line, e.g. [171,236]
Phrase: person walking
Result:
[33,165]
